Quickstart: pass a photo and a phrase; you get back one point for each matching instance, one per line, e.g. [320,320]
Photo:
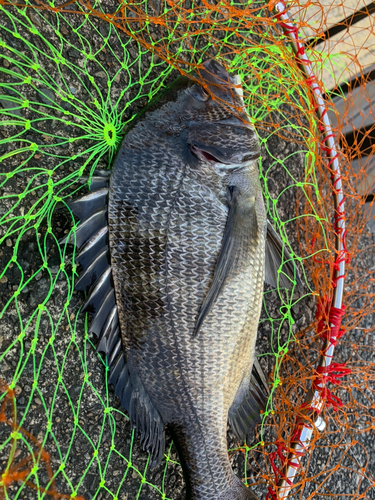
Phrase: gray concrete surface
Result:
[73,443]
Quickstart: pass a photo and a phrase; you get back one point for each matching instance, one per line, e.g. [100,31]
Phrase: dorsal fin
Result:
[89,203]
[142,413]
[91,238]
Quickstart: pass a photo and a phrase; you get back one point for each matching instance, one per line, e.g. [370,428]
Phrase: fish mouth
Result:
[208,154]
[212,155]
[217,71]
[237,122]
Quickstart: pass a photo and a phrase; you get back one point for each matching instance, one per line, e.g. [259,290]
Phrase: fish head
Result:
[220,130]
[208,112]
[217,81]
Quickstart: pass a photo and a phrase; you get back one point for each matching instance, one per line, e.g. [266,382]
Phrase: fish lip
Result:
[207,154]
[236,122]
[198,94]
[219,72]
[214,74]
[214,156]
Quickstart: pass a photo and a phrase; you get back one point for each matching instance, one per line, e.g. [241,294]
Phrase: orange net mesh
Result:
[251,39]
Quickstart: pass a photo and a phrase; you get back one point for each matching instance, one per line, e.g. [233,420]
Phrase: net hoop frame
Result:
[315,400]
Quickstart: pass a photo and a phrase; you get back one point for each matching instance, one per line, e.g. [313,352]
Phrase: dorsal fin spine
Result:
[91,238]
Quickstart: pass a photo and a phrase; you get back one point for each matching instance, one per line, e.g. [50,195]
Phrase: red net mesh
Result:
[252,39]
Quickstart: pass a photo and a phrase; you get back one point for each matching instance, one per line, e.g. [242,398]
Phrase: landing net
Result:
[72,77]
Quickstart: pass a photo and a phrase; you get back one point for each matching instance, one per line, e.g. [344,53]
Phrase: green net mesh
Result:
[70,83]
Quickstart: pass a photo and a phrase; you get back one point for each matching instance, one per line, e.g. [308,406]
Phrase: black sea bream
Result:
[177,299]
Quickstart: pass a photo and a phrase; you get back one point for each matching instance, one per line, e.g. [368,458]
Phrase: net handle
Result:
[315,401]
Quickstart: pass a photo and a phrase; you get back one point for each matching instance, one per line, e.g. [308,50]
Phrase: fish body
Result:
[189,253]
[168,213]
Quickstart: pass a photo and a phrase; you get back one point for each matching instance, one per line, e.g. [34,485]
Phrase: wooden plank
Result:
[365,168]
[345,54]
[319,17]
[356,110]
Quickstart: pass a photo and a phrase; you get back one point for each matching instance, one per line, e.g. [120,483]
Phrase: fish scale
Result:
[190,248]
[179,364]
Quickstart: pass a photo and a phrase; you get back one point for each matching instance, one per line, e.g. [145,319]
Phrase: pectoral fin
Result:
[241,226]
[277,255]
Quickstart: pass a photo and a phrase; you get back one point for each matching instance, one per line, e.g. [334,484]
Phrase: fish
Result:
[175,247]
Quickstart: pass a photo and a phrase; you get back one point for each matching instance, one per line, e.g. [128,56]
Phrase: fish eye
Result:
[198,92]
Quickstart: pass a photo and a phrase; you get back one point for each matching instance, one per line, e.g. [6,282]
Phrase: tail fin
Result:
[238,491]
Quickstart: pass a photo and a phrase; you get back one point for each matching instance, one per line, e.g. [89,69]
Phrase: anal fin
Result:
[251,399]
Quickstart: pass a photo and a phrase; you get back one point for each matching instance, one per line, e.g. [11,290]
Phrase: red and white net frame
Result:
[327,371]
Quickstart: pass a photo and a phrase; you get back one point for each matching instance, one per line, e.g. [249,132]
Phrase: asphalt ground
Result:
[93,422]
